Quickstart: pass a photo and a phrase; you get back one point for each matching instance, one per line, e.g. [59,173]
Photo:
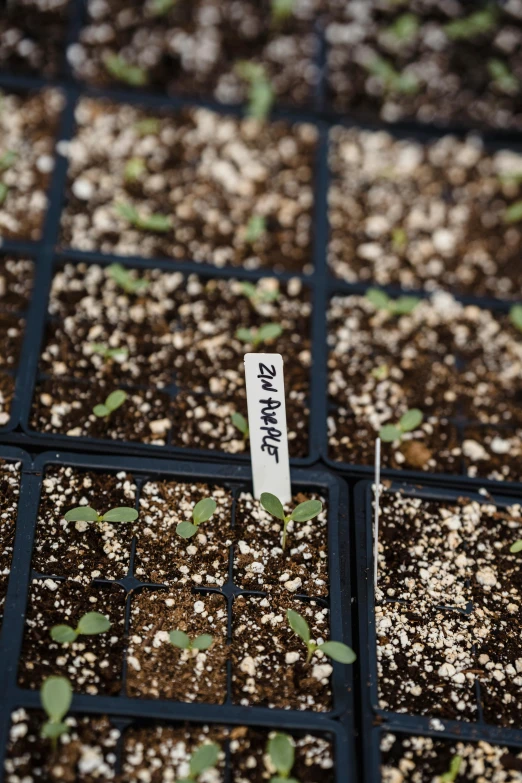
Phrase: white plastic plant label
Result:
[267,425]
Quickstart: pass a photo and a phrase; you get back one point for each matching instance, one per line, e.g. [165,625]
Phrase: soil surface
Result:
[423,759]
[269,659]
[180,336]
[207,175]
[28,126]
[16,280]
[457,364]
[425,215]
[84,755]
[32,36]
[380,66]
[9,494]
[92,663]
[448,609]
[194,46]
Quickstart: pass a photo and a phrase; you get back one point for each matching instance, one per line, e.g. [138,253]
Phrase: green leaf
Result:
[277,779]
[92,623]
[180,639]
[130,213]
[405,305]
[148,127]
[268,332]
[186,530]
[123,278]
[249,289]
[282,10]
[260,100]
[202,642]
[515,315]
[159,223]
[203,510]
[134,169]
[63,634]
[205,757]
[120,514]
[121,70]
[306,511]
[513,213]
[273,505]
[56,696]
[405,28]
[162,7]
[7,160]
[239,421]
[451,776]
[379,299]
[381,372]
[399,238]
[101,411]
[339,652]
[115,400]
[255,229]
[411,420]
[298,625]
[282,753]
[389,433]
[82,514]
[245,335]
[478,23]
[4,190]
[516,547]
[502,76]
[52,730]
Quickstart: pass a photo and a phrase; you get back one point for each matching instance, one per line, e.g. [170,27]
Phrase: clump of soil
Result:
[207,175]
[9,495]
[32,36]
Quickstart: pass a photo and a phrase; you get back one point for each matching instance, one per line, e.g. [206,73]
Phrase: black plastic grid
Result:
[371,714]
[236,478]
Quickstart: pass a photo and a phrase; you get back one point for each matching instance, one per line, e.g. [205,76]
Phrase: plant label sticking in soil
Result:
[267,425]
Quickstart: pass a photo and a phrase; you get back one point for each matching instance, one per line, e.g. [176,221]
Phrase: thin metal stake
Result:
[377,509]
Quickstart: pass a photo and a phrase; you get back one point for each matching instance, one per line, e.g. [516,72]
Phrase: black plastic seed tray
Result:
[235,478]
[371,714]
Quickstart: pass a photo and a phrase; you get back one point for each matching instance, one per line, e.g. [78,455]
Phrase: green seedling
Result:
[260,92]
[114,401]
[258,294]
[280,751]
[125,279]
[205,757]
[7,160]
[453,772]
[201,512]
[240,423]
[255,229]
[515,316]
[404,29]
[120,69]
[404,305]
[256,337]
[56,697]
[408,422]
[513,213]
[157,223]
[4,190]
[337,651]
[134,169]
[162,7]
[477,23]
[381,373]
[502,77]
[516,547]
[109,354]
[281,10]
[90,624]
[304,512]
[405,83]
[89,514]
[184,642]
[399,239]
[150,126]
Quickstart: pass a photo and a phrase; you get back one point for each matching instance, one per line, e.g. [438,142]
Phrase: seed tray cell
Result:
[11,461]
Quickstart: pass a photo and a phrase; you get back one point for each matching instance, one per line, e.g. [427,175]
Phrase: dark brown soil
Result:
[93,663]
[9,493]
[207,174]
[501,457]
[85,755]
[16,277]
[32,36]
[261,564]
[16,283]
[269,659]
[157,669]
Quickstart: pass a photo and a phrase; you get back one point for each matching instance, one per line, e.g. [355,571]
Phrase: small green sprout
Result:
[337,651]
[408,422]
[125,279]
[201,512]
[7,159]
[89,514]
[162,7]
[108,354]
[255,229]
[258,294]
[502,77]
[261,93]
[399,239]
[240,423]
[184,642]
[90,624]
[515,316]
[454,770]
[156,223]
[256,337]
[516,547]
[134,169]
[150,126]
[282,10]
[304,512]
[513,213]
[477,23]
[405,83]
[280,751]
[4,190]
[404,29]
[205,757]
[120,69]
[404,305]
[381,372]
[114,401]
[56,697]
